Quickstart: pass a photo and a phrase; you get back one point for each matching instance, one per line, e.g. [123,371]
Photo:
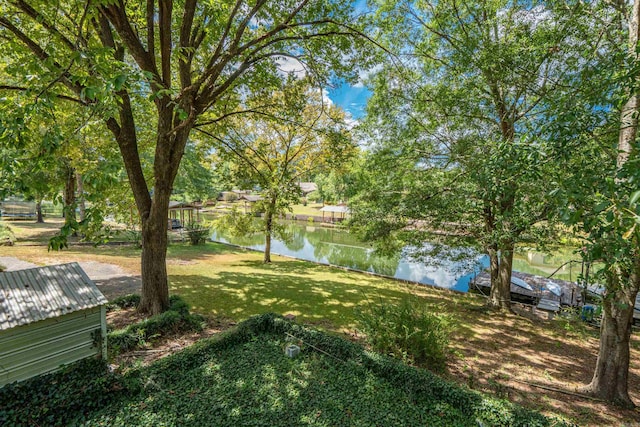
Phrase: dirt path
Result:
[112,280]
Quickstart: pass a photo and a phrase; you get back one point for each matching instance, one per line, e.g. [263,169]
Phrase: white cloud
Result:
[289,65]
[364,75]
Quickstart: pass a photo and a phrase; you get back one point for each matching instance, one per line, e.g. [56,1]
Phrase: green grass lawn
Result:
[222,281]
[243,378]
[238,285]
[309,209]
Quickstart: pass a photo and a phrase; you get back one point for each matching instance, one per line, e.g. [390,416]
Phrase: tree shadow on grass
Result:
[287,287]
[288,266]
[499,349]
[41,237]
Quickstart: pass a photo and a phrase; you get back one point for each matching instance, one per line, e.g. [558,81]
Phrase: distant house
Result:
[307,187]
[233,195]
[251,198]
[49,316]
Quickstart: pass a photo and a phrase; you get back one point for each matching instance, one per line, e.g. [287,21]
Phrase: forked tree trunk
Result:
[153,210]
[500,296]
[610,377]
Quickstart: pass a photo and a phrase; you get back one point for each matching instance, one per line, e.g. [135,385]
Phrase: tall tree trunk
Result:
[494,263]
[500,296]
[610,377]
[267,247]
[39,218]
[169,150]
[155,286]
[611,374]
[268,228]
[81,203]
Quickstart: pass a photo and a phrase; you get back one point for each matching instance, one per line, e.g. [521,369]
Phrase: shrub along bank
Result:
[177,319]
[243,377]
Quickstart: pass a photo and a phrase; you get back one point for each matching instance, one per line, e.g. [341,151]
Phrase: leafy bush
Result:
[134,236]
[177,319]
[126,301]
[197,233]
[7,238]
[314,197]
[407,330]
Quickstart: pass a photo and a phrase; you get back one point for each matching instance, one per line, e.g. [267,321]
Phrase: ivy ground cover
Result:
[243,377]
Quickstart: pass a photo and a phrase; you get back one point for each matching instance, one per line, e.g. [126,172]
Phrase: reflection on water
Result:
[563,264]
[338,247]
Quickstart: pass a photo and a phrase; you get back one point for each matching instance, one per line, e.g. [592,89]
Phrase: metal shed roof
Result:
[35,294]
[250,197]
[337,209]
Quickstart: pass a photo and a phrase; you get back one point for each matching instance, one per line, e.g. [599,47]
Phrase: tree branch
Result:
[151,38]
[116,15]
[166,10]
[184,62]
[31,12]
[65,97]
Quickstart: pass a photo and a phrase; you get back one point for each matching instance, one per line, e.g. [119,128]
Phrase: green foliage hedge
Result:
[197,233]
[407,330]
[175,320]
[242,377]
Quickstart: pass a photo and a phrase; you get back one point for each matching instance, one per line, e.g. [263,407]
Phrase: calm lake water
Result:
[338,247]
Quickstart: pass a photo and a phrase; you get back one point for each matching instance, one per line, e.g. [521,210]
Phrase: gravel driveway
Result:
[112,280]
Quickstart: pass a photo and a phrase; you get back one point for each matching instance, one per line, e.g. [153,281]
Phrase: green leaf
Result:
[119,81]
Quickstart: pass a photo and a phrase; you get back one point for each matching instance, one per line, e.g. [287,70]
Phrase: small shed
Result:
[49,316]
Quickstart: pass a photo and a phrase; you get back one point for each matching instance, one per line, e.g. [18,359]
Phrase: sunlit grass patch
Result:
[241,285]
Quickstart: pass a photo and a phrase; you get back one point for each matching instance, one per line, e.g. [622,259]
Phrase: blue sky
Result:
[352,98]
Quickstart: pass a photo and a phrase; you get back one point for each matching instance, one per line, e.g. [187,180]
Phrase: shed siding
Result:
[44,346]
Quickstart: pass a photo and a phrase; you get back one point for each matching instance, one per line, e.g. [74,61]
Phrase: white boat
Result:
[519,282]
[554,288]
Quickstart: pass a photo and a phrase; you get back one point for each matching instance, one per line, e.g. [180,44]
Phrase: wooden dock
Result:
[540,295]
